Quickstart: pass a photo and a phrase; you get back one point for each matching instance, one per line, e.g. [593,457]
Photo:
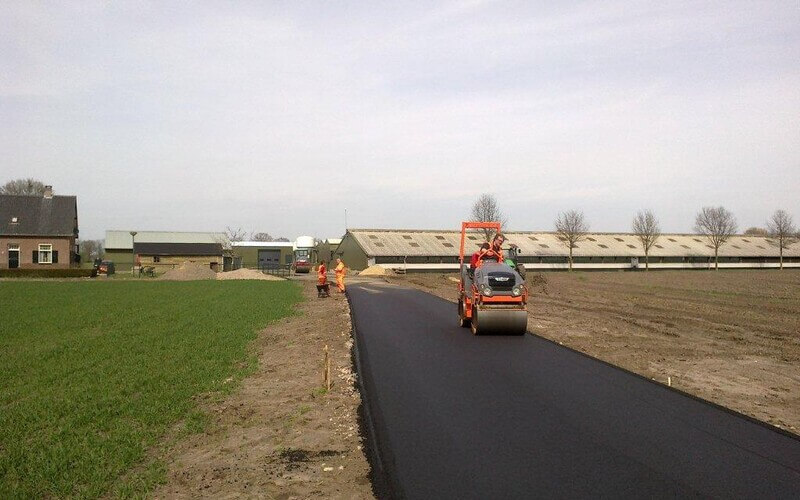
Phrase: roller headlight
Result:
[517,290]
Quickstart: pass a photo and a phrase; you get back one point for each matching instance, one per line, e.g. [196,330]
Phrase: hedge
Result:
[46,273]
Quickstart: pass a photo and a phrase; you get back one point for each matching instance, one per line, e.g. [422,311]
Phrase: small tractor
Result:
[492,297]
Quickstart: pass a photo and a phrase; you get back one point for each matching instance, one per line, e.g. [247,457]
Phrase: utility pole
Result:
[345,221]
[133,250]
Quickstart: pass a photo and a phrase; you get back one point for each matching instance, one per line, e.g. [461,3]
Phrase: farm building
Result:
[165,248]
[430,250]
[326,249]
[38,231]
[169,255]
[259,254]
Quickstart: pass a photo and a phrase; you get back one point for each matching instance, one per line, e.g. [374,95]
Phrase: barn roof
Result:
[193,249]
[121,240]
[391,242]
[38,216]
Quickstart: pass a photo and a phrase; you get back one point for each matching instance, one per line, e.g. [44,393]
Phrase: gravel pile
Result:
[247,274]
[375,270]
[189,271]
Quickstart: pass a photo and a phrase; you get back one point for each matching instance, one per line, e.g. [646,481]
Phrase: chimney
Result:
[48,192]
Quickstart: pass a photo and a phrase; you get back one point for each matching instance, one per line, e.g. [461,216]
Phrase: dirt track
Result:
[279,435]
[732,337]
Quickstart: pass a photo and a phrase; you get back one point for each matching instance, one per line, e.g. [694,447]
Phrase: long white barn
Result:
[430,250]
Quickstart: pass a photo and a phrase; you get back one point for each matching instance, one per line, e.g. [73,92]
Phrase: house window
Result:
[631,246]
[532,238]
[440,237]
[448,245]
[619,239]
[602,246]
[45,253]
[406,237]
[471,238]
[156,258]
[591,239]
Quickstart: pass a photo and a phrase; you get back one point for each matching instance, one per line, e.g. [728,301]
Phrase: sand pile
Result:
[375,270]
[189,271]
[247,274]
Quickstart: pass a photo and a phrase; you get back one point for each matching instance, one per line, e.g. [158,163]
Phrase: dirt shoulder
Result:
[280,435]
[731,337]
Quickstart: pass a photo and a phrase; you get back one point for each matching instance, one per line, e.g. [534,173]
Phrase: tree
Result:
[235,234]
[91,249]
[782,231]
[285,240]
[30,187]
[571,228]
[262,237]
[756,231]
[646,228]
[717,224]
[485,209]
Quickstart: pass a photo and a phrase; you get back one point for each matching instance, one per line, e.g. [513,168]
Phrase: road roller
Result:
[492,296]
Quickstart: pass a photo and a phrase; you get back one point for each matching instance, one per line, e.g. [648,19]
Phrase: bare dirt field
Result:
[731,337]
[280,435]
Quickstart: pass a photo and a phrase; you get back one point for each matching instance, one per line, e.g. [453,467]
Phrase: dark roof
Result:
[178,248]
[38,216]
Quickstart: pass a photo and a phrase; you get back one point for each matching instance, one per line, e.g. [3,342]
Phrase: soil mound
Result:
[189,271]
[375,270]
[247,274]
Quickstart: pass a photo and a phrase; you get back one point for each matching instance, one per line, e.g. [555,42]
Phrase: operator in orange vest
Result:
[340,271]
[322,273]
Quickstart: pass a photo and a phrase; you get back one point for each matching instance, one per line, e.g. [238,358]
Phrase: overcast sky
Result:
[276,116]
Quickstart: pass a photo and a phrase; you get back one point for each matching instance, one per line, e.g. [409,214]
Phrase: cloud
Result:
[277,116]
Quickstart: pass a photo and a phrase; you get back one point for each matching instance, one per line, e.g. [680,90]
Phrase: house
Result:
[431,250]
[38,231]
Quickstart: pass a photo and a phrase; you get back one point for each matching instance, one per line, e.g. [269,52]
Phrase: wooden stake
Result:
[326,375]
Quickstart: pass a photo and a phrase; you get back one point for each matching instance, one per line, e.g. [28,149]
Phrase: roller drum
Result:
[500,321]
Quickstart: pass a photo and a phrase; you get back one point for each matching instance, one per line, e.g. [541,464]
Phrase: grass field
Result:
[94,374]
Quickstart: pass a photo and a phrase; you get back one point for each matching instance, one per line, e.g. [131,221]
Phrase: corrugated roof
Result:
[382,242]
[192,249]
[38,216]
[263,244]
[121,240]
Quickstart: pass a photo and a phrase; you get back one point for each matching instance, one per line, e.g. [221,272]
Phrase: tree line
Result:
[716,224]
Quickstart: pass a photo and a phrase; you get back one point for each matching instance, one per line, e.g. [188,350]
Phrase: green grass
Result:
[94,374]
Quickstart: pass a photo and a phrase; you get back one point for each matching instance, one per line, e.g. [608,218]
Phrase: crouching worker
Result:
[322,280]
[340,272]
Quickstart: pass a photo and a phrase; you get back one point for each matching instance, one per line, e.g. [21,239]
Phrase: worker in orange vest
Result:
[322,273]
[340,271]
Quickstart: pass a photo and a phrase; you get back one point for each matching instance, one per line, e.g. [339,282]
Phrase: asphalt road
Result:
[450,415]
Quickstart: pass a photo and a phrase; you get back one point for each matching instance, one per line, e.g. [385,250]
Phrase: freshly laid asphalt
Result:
[451,415]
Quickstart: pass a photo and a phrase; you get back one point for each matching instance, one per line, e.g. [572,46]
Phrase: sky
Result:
[280,116]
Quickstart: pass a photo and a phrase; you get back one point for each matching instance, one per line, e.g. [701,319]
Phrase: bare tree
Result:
[23,187]
[571,228]
[235,234]
[485,209]
[717,224]
[646,228]
[262,237]
[283,239]
[782,231]
[91,249]
[756,231]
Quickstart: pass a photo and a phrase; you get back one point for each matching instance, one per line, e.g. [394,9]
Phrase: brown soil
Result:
[281,435]
[189,271]
[246,274]
[731,337]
